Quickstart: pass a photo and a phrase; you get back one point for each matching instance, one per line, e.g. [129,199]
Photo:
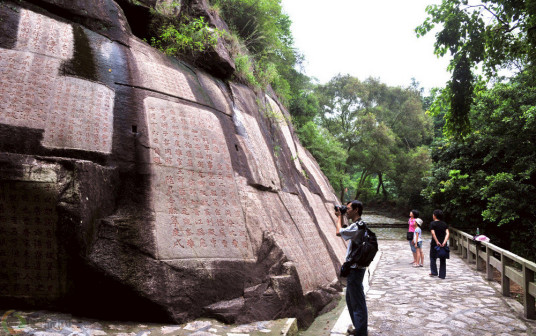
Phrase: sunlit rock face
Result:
[133,185]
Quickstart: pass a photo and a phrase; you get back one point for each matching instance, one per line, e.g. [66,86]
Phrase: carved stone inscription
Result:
[317,252]
[159,77]
[80,116]
[326,224]
[75,113]
[290,240]
[28,246]
[198,212]
[26,88]
[42,35]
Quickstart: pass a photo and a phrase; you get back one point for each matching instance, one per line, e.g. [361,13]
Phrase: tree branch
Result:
[489,11]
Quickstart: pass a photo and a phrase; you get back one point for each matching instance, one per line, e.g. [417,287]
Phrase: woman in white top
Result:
[417,241]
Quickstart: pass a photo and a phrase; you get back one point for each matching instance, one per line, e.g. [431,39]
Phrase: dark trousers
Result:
[355,299]
[442,266]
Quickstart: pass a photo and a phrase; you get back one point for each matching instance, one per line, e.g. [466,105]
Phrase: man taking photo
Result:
[355,295]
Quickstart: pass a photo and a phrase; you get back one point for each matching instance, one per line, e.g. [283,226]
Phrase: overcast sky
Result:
[366,39]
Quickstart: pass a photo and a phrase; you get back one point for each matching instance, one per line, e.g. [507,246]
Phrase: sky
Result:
[366,39]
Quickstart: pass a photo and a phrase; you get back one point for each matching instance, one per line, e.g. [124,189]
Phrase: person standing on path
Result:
[355,294]
[417,242]
[440,237]
[413,214]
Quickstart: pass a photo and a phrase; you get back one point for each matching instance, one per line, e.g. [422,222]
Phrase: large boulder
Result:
[134,185]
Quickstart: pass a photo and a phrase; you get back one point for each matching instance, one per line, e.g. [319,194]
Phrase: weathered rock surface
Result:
[147,186]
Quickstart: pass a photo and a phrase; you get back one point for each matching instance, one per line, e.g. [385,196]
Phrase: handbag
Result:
[409,235]
[442,252]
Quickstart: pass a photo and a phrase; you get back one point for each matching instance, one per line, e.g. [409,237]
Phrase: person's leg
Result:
[358,301]
[442,268]
[350,288]
[433,265]
[414,251]
[422,254]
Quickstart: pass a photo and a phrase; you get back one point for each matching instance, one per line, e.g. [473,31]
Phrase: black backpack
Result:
[364,249]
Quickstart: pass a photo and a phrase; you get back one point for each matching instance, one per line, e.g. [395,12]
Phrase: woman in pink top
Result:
[413,214]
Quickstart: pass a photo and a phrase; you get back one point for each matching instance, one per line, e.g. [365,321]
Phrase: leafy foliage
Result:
[261,32]
[489,180]
[264,33]
[493,34]
[381,129]
[187,35]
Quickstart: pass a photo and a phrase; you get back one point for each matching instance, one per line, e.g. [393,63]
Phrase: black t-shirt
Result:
[440,229]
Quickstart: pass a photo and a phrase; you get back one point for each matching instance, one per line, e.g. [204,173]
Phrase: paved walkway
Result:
[403,300]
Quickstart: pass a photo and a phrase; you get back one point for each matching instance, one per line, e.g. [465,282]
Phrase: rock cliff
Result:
[134,185]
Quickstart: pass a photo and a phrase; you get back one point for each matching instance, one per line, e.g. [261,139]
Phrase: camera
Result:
[342,208]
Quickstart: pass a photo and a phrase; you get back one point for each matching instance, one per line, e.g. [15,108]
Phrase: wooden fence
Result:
[510,266]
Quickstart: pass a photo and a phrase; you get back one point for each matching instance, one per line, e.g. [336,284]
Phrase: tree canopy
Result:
[488,180]
[489,35]
[380,128]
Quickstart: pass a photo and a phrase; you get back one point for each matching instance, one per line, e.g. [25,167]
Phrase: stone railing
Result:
[510,266]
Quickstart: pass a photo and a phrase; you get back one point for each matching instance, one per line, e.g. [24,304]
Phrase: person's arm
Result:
[434,237]
[446,238]
[339,222]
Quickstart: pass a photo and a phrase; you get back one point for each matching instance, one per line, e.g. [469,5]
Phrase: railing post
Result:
[528,277]
[505,281]
[489,268]
[477,255]
[467,246]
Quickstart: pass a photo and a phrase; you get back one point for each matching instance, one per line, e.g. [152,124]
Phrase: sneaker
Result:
[421,265]
[350,330]
[432,275]
[415,265]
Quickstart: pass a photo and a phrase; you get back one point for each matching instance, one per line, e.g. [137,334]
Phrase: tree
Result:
[377,126]
[488,179]
[492,34]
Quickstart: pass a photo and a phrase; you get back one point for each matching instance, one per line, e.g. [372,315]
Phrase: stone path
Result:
[403,300]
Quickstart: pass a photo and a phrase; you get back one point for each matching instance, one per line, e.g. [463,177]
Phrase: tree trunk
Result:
[384,191]
[362,179]
[380,183]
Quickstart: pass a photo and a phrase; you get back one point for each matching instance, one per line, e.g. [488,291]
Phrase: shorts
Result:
[419,244]
[412,245]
